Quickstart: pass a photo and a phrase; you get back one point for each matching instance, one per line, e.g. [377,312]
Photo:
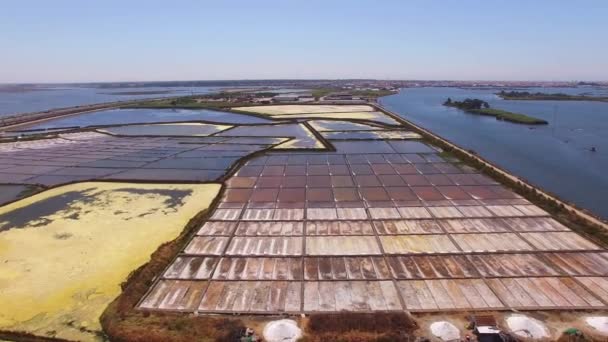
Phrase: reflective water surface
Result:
[556,157]
[130,116]
[14,102]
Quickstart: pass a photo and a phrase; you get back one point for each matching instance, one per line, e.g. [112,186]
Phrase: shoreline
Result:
[513,181]
[502,115]
[527,96]
[12,121]
[124,313]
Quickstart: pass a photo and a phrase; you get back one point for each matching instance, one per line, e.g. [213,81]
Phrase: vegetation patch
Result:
[360,327]
[221,100]
[123,322]
[524,95]
[188,102]
[133,326]
[227,99]
[576,222]
[480,107]
[318,93]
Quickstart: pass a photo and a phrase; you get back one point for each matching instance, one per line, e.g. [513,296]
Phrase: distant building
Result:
[339,96]
[286,98]
[263,100]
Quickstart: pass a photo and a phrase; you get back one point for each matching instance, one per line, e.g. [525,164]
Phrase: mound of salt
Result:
[599,323]
[525,326]
[446,331]
[283,330]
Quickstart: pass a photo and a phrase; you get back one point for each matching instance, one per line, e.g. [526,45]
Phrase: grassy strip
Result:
[571,219]
[317,93]
[549,97]
[123,322]
[508,116]
[205,101]
[373,93]
[351,327]
[185,103]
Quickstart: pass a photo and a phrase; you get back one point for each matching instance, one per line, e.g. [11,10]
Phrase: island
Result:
[480,107]
[524,95]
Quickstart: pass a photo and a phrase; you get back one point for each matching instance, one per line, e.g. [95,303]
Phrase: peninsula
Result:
[235,98]
[480,107]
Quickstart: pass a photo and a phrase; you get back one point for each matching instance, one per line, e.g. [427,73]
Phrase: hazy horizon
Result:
[300,79]
[68,41]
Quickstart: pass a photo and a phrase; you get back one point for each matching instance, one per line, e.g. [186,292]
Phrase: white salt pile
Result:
[525,326]
[284,330]
[599,323]
[446,331]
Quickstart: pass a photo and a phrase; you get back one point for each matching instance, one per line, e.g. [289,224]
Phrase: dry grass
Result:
[360,327]
[159,327]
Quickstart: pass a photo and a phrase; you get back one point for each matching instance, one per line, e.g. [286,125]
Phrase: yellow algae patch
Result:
[168,129]
[297,109]
[65,251]
[370,116]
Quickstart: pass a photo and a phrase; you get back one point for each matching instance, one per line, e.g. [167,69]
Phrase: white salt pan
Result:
[525,326]
[284,330]
[446,331]
[599,323]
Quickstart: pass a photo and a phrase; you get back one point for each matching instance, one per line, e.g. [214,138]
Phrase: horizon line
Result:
[303,79]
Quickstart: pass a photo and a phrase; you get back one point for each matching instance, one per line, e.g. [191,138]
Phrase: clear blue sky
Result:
[111,40]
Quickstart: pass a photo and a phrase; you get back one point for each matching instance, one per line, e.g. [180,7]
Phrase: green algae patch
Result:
[64,252]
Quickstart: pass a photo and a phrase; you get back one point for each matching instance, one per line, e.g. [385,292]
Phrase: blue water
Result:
[130,116]
[58,97]
[555,157]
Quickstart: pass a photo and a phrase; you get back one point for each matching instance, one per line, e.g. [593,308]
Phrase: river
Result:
[556,157]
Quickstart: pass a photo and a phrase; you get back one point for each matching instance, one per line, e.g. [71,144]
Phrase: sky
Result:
[137,40]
